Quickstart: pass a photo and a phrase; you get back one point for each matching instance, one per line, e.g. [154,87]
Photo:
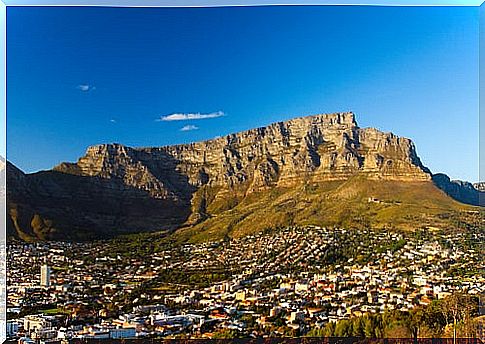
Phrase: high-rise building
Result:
[481,304]
[45,276]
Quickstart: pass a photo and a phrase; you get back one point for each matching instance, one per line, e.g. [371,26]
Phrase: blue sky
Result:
[81,76]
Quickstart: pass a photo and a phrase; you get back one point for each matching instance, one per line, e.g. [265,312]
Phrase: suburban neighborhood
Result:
[286,282]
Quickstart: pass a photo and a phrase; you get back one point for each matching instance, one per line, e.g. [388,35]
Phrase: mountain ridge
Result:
[115,189]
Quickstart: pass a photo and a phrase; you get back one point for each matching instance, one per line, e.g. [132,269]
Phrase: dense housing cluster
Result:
[284,282]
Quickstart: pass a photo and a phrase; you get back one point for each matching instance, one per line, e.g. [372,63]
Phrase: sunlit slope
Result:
[354,203]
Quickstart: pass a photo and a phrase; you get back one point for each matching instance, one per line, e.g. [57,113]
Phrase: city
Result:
[287,282]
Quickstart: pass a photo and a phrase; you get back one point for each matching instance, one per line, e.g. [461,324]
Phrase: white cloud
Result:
[190,116]
[112,120]
[86,88]
[189,127]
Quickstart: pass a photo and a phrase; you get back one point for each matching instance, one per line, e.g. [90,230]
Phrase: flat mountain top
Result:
[321,170]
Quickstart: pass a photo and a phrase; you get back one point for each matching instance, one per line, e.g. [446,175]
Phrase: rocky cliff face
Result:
[114,188]
[464,192]
[327,147]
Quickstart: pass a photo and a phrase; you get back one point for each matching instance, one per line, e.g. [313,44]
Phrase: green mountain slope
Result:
[354,203]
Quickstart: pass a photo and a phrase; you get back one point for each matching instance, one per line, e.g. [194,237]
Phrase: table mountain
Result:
[322,169]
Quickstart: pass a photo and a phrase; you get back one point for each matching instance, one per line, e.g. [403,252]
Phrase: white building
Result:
[37,322]
[45,276]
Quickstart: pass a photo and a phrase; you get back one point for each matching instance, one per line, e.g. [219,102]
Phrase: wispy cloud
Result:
[86,87]
[189,127]
[191,116]
[112,120]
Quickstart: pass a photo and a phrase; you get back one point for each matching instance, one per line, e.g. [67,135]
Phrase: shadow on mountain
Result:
[53,205]
[461,191]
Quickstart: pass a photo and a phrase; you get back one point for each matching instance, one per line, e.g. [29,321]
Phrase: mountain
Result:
[464,192]
[62,206]
[320,169]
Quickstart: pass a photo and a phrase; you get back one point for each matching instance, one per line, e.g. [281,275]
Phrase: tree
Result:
[316,332]
[458,307]
[357,327]
[369,330]
[415,321]
[329,329]
[343,328]
[226,334]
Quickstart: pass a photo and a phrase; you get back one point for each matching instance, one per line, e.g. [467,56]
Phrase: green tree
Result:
[329,329]
[343,328]
[357,327]
[415,322]
[369,328]
[456,308]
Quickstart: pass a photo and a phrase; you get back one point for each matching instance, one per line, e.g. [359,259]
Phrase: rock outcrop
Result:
[327,147]
[480,186]
[115,189]
[464,192]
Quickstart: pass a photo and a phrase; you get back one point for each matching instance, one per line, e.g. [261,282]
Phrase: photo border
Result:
[4,4]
